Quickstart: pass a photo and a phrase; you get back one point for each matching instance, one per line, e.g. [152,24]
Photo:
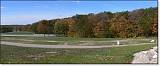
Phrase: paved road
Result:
[63,46]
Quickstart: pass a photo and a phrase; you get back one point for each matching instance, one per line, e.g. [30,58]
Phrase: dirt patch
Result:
[86,43]
[35,57]
[51,52]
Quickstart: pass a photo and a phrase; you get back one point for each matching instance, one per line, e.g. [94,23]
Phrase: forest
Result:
[126,24]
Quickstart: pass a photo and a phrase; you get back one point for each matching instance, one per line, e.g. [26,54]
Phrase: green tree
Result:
[5,29]
[61,28]
[83,27]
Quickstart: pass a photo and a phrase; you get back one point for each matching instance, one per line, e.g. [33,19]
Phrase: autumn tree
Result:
[154,23]
[147,20]
[71,27]
[123,28]
[136,23]
[102,24]
[42,27]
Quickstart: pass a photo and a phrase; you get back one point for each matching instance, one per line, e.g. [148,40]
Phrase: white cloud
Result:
[76,1]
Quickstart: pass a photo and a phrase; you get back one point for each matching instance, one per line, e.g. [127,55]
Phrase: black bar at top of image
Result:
[79,0]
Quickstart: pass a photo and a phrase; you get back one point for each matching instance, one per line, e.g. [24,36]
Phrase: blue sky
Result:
[27,12]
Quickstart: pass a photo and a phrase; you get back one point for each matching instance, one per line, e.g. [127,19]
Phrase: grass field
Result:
[111,55]
[18,33]
[75,41]
[12,54]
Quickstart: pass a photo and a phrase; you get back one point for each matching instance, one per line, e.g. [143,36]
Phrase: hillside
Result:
[136,23]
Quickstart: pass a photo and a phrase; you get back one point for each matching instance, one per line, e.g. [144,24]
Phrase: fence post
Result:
[117,42]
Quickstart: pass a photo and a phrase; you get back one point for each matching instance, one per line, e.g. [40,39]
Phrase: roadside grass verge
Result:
[13,54]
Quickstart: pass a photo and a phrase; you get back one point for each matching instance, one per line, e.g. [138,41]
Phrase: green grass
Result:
[19,33]
[13,54]
[62,38]
[71,39]
[74,41]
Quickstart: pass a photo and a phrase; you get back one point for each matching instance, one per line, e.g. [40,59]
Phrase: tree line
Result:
[126,24]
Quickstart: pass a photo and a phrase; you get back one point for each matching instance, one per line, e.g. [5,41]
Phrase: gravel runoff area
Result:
[146,57]
[63,46]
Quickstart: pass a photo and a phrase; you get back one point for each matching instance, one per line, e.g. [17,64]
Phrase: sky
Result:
[28,12]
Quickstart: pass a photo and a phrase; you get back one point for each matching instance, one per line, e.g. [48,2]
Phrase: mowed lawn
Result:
[75,41]
[13,54]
